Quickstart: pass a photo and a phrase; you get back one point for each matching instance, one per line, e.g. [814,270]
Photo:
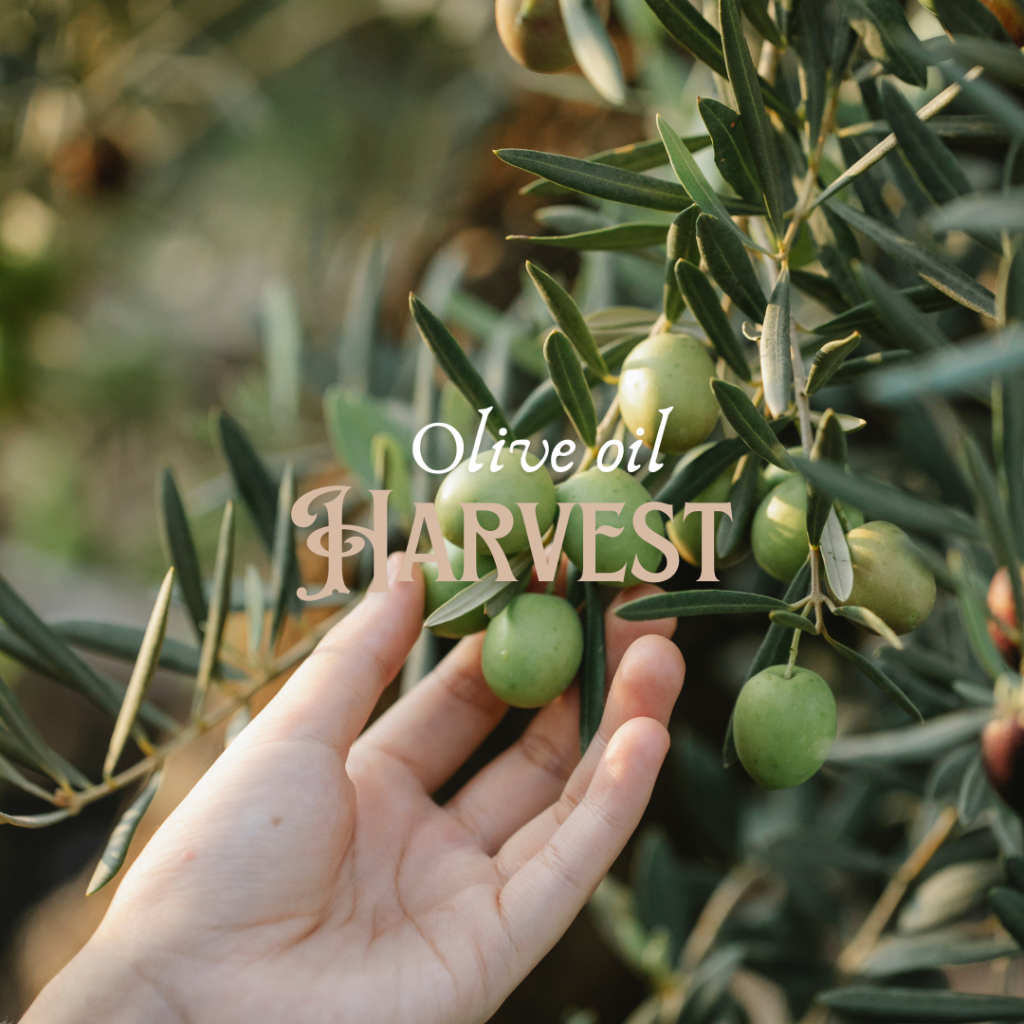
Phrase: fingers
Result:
[330,697]
[541,899]
[619,634]
[530,776]
[434,728]
[646,685]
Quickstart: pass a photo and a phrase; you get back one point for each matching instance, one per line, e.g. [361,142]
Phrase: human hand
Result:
[309,876]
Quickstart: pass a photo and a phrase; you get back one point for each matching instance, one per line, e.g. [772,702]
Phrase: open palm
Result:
[311,877]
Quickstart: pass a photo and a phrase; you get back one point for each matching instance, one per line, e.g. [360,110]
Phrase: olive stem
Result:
[794,650]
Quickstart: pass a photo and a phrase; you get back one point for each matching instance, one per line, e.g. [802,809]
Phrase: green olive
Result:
[685,534]
[783,728]
[611,553]
[507,486]
[533,33]
[532,650]
[778,534]
[772,476]
[889,577]
[669,370]
[438,592]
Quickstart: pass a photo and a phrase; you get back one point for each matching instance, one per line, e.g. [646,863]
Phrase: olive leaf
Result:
[113,857]
[10,773]
[13,715]
[751,426]
[974,792]
[181,549]
[35,820]
[835,555]
[11,747]
[853,369]
[220,605]
[685,484]
[722,247]
[758,15]
[253,611]
[969,18]
[897,313]
[820,288]
[567,315]
[592,681]
[912,744]
[884,31]
[743,496]
[284,562]
[807,33]
[775,645]
[616,238]
[700,296]
[480,594]
[457,367]
[681,244]
[733,157]
[791,620]
[828,359]
[571,386]
[865,315]
[867,619]
[1008,905]
[756,126]
[878,677]
[1013,453]
[936,271]
[971,605]
[593,49]
[916,1006]
[829,445]
[251,478]
[684,603]
[776,358]
[142,674]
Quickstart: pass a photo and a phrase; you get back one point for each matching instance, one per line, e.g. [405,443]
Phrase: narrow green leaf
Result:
[116,850]
[882,501]
[745,86]
[820,288]
[926,153]
[878,677]
[479,594]
[457,367]
[865,315]
[729,264]
[681,244]
[867,619]
[969,18]
[252,479]
[758,16]
[182,550]
[977,127]
[710,983]
[686,483]
[830,446]
[142,674]
[751,426]
[733,158]
[1008,905]
[12,748]
[827,361]
[683,603]
[791,620]
[353,420]
[35,820]
[976,213]
[220,604]
[13,715]
[973,613]
[807,34]
[391,473]
[567,315]
[637,156]
[10,773]
[989,96]
[571,386]
[617,238]
[592,680]
[921,1006]
[254,611]
[593,49]
[700,296]
[776,357]
[898,314]
[284,561]
[743,497]
[835,556]
[936,271]
[774,647]
[913,744]
[564,219]
[884,31]
[853,369]
[974,792]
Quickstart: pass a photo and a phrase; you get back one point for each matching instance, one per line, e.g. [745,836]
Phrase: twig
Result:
[736,884]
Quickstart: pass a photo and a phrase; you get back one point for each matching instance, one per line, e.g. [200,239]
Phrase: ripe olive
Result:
[1004,611]
[532,649]
[507,486]
[1002,754]
[669,370]
[778,533]
[1010,16]
[533,33]
[611,553]
[438,592]
[889,577]
[685,534]
[783,728]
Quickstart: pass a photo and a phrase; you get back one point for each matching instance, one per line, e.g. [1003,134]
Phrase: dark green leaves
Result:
[865,315]
[700,296]
[220,605]
[723,250]
[896,312]
[481,593]
[571,386]
[921,1006]
[775,644]
[566,314]
[182,550]
[969,18]
[878,677]
[698,602]
[681,244]
[594,667]
[750,424]
[747,90]
[776,358]
[936,271]
[283,559]
[829,445]
[1008,906]
[733,157]
[252,481]
[685,484]
[612,183]
[120,839]
[925,151]
[743,498]
[616,238]
[456,365]
[883,29]
[13,715]
[828,360]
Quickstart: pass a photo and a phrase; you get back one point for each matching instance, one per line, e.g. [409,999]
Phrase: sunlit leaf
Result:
[697,602]
[479,594]
[220,605]
[681,244]
[567,315]
[776,357]
[571,386]
[593,49]
[116,850]
[751,426]
[867,619]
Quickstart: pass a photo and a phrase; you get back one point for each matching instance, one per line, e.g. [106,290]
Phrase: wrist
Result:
[102,985]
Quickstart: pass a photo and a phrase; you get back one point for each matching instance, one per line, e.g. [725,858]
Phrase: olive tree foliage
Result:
[840,256]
